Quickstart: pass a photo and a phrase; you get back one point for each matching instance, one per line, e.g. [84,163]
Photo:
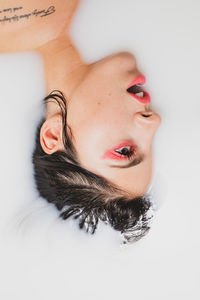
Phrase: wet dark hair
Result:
[77,192]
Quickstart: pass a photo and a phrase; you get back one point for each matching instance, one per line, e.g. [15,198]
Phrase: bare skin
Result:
[29,24]
[101,113]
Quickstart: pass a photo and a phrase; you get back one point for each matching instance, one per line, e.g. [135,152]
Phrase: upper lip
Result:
[138,82]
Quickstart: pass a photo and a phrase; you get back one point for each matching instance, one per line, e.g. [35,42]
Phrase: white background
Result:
[42,257]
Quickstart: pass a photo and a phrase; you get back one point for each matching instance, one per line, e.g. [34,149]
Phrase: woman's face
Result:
[105,118]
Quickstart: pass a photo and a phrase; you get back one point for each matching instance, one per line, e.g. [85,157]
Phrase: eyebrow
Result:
[136,161]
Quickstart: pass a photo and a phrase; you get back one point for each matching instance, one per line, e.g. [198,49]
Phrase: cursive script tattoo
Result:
[44,12]
[41,13]
[14,9]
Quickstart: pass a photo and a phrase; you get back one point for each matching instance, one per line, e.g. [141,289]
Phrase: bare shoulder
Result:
[26,25]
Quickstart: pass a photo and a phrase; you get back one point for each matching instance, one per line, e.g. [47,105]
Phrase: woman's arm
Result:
[26,25]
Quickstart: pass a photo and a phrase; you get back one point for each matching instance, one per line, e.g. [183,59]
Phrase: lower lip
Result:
[140,80]
[144,100]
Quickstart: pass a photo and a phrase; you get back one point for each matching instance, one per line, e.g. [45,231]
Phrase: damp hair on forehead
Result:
[82,195]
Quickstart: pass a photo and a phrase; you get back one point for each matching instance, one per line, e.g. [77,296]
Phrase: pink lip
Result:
[140,80]
[111,154]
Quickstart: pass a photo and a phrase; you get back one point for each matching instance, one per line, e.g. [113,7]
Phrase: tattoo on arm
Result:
[17,17]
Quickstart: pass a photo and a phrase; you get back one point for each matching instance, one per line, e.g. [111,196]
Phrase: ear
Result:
[51,134]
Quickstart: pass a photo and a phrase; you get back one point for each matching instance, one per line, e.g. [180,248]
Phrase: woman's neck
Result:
[63,66]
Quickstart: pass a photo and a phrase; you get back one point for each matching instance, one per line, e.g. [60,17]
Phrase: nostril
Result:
[147,119]
[147,114]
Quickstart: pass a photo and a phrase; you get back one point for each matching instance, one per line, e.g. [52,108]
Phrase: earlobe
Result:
[51,134]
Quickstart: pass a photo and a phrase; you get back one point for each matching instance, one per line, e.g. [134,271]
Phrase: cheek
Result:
[86,140]
[81,111]
[88,128]
[93,121]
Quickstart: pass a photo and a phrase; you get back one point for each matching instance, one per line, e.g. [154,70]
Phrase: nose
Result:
[147,123]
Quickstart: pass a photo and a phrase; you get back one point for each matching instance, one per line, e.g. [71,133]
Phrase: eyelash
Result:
[129,155]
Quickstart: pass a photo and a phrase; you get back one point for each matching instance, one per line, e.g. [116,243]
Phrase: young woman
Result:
[93,154]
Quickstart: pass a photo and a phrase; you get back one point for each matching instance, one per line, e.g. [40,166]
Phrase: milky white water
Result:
[42,257]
